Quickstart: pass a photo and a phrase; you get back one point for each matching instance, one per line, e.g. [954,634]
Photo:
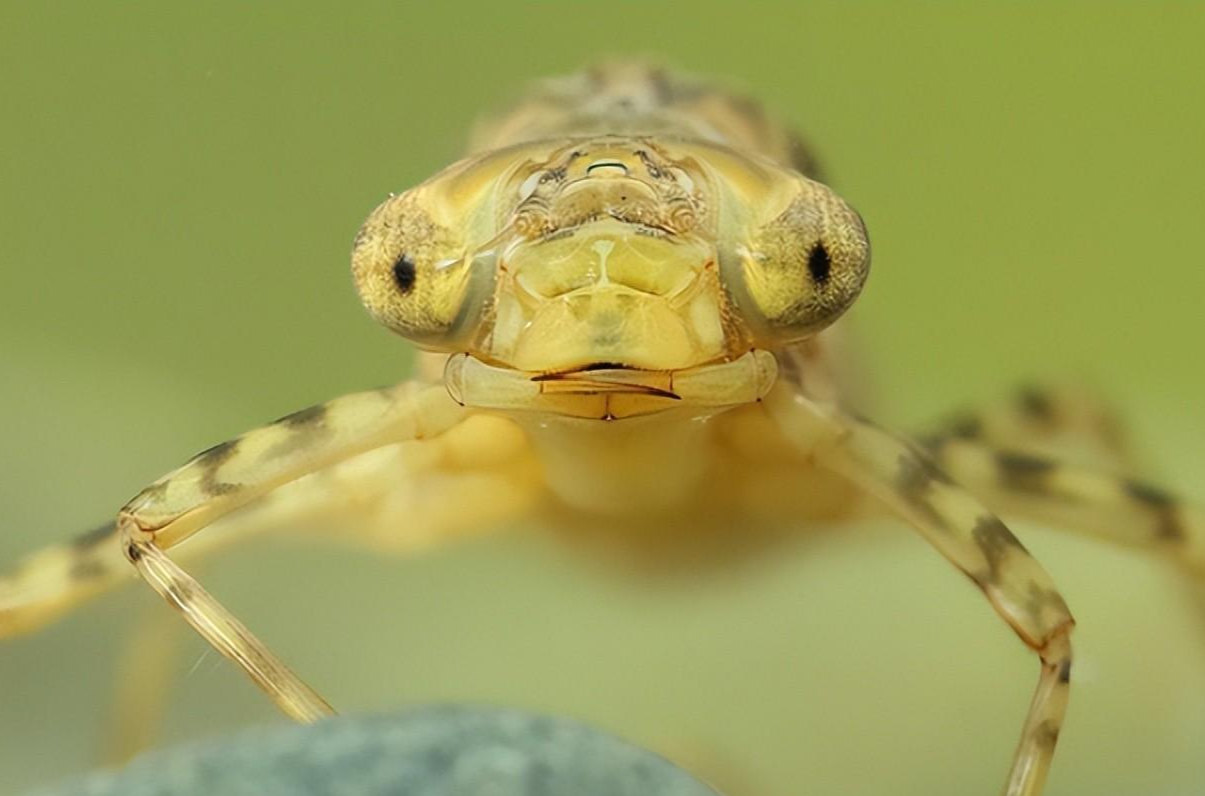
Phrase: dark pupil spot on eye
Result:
[404,274]
[819,263]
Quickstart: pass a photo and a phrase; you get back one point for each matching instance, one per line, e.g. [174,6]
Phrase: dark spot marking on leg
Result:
[746,105]
[1035,404]
[932,442]
[310,416]
[1162,505]
[913,479]
[86,541]
[794,366]
[133,553]
[966,427]
[918,470]
[217,453]
[917,473]
[1148,495]
[1023,472]
[1039,600]
[210,461]
[1047,734]
[996,541]
[1065,671]
[87,568]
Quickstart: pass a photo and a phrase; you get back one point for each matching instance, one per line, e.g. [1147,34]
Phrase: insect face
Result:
[612,252]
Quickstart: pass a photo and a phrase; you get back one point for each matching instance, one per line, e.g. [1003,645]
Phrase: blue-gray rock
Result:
[436,751]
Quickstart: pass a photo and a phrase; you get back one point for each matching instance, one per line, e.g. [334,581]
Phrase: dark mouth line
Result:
[583,386]
[578,382]
[572,372]
[575,372]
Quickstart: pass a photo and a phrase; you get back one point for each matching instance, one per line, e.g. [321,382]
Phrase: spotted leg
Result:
[54,580]
[1098,502]
[399,499]
[214,484]
[906,479]
[1067,420]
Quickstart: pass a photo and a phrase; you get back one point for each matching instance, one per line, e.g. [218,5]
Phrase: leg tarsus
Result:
[1044,720]
[219,627]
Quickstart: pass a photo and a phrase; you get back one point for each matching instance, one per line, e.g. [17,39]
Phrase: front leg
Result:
[906,480]
[233,474]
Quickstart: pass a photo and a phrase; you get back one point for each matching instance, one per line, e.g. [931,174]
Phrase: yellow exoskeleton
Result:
[627,297]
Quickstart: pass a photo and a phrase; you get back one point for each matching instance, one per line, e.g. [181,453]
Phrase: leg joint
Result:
[1055,652]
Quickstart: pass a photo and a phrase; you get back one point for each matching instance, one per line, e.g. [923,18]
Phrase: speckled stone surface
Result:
[435,751]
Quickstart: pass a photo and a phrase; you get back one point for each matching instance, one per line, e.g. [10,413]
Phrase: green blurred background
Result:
[180,189]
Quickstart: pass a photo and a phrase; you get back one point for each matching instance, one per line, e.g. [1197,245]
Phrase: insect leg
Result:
[402,499]
[1043,419]
[56,579]
[50,582]
[904,478]
[231,475]
[1124,510]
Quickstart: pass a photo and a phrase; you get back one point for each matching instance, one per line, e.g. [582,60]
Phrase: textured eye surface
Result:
[800,270]
[413,276]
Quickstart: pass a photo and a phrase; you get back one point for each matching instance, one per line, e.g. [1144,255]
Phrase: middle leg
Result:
[1062,494]
[1064,420]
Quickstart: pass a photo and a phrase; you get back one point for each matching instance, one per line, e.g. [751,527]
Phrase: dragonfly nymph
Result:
[627,297]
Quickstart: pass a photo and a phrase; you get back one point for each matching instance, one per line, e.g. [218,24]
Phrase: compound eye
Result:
[801,270]
[413,274]
[425,261]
